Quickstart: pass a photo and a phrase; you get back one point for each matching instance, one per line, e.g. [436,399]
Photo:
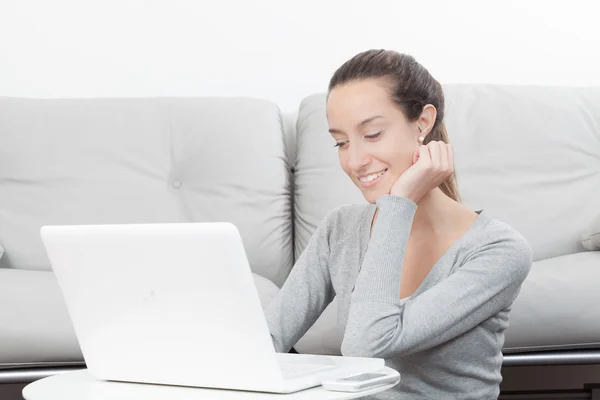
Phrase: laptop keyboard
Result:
[295,369]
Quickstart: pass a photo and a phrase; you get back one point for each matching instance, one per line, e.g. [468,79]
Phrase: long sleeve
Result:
[305,294]
[380,324]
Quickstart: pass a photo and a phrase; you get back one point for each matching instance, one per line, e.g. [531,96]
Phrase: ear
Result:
[427,119]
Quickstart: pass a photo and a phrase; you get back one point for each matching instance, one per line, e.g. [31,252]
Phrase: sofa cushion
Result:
[35,324]
[530,156]
[557,306]
[145,160]
[36,328]
[591,237]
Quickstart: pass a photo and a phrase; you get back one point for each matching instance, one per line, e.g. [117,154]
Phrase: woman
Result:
[421,280]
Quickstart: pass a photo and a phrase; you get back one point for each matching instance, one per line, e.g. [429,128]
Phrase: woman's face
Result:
[376,142]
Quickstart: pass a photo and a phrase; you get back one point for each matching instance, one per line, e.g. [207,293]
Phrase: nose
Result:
[358,158]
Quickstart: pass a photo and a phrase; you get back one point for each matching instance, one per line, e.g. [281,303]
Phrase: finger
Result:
[434,150]
[444,156]
[450,157]
[424,155]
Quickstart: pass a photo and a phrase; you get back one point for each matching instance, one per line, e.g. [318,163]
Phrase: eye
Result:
[373,136]
[340,144]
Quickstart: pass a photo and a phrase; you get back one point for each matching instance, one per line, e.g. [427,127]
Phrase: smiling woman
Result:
[388,101]
[422,280]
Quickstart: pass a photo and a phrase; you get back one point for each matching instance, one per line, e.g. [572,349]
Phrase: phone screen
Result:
[362,377]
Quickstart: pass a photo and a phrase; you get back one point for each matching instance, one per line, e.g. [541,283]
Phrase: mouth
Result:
[371,180]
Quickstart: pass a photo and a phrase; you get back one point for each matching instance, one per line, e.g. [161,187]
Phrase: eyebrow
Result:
[360,124]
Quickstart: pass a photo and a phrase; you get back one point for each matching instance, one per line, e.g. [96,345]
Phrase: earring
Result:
[421,138]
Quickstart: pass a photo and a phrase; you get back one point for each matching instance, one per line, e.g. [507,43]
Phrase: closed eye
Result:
[373,136]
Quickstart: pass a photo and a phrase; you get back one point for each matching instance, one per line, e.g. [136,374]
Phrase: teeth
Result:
[369,178]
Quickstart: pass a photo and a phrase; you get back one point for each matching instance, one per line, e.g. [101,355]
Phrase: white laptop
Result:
[176,304]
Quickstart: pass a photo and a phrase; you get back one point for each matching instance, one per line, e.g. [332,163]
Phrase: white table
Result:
[80,385]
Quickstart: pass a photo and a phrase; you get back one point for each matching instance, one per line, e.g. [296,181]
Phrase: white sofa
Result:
[530,156]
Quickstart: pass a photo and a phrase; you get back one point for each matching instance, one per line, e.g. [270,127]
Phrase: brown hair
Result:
[411,86]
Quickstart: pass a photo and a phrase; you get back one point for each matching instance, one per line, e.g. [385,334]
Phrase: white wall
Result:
[283,50]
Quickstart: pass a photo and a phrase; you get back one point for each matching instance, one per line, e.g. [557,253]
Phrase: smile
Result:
[371,179]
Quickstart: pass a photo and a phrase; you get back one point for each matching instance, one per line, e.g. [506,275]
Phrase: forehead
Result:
[356,101]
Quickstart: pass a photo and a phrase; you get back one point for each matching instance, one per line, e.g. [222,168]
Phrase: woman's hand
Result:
[432,164]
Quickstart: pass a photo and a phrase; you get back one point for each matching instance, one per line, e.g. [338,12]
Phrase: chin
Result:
[372,195]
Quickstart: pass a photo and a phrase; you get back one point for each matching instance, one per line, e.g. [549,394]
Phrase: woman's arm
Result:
[305,293]
[382,325]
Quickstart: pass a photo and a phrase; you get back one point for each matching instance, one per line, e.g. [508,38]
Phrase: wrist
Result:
[412,196]
[394,206]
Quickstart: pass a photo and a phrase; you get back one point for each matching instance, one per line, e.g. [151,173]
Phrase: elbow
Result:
[356,347]
[373,334]
[366,343]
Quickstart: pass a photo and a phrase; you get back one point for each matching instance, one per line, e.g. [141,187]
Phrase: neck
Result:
[434,212]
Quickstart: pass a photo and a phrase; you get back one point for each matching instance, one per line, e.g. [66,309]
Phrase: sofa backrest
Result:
[530,156]
[95,161]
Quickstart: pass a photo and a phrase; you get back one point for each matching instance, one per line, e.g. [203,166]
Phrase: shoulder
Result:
[497,246]
[504,236]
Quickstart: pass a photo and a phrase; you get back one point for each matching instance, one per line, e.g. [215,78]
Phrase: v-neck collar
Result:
[480,221]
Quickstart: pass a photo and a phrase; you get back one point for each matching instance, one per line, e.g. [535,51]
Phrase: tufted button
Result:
[176,184]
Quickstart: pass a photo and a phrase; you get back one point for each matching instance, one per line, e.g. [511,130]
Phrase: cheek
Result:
[399,159]
[343,161]
[396,156]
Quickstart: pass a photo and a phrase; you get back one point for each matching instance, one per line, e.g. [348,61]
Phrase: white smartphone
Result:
[363,381]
